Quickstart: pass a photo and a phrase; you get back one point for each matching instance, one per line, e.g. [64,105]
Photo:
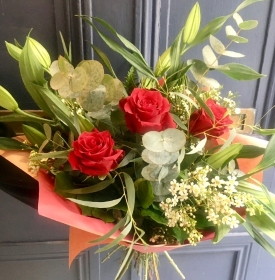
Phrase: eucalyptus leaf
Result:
[247,25]
[246,3]
[240,72]
[103,204]
[237,39]
[209,57]
[118,239]
[92,189]
[114,229]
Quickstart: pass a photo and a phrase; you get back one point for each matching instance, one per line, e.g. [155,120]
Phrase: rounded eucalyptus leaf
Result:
[78,80]
[95,72]
[65,66]
[54,68]
[160,188]
[163,172]
[65,91]
[108,82]
[58,80]
[173,140]
[145,157]
[92,100]
[153,141]
[162,158]
[151,172]
[103,113]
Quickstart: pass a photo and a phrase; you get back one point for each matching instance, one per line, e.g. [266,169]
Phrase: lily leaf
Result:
[12,144]
[103,204]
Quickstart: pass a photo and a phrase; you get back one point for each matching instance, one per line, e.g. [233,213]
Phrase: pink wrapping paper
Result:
[85,229]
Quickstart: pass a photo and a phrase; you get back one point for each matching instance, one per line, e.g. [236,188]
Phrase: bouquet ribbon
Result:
[83,230]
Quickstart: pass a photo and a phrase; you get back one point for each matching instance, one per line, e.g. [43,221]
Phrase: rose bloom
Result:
[200,123]
[94,153]
[146,110]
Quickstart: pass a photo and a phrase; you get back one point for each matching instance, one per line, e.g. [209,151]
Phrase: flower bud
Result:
[7,101]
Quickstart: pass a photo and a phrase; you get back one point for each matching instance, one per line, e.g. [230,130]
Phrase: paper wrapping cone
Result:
[85,229]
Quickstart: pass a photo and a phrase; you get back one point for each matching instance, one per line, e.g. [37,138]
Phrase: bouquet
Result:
[155,162]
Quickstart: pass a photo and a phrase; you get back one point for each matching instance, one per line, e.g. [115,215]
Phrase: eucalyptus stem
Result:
[111,253]
[174,264]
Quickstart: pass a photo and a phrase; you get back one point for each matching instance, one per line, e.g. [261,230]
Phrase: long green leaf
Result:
[104,59]
[268,159]
[240,72]
[130,187]
[116,241]
[12,144]
[103,204]
[126,42]
[133,59]
[114,229]
[211,28]
[257,236]
[245,4]
[58,154]
[32,72]
[219,159]
[92,189]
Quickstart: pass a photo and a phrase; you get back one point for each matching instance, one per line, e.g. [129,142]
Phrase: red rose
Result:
[200,123]
[94,153]
[146,110]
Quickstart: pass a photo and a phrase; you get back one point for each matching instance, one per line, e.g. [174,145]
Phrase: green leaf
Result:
[130,188]
[237,39]
[240,72]
[134,59]
[247,25]
[256,191]
[92,189]
[257,236]
[32,73]
[6,100]
[104,59]
[211,28]
[66,120]
[265,222]
[220,159]
[144,192]
[245,4]
[268,159]
[126,262]
[40,53]
[163,63]
[262,131]
[222,230]
[192,24]
[102,215]
[116,241]
[155,215]
[12,144]
[13,50]
[251,151]
[104,204]
[33,135]
[114,229]
[58,154]
[131,155]
[63,183]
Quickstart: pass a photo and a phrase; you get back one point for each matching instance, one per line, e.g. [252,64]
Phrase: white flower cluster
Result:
[215,197]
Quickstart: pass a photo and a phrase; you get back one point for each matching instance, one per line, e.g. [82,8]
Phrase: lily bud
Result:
[7,101]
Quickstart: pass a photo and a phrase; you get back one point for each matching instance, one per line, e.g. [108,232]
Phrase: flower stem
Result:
[174,265]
